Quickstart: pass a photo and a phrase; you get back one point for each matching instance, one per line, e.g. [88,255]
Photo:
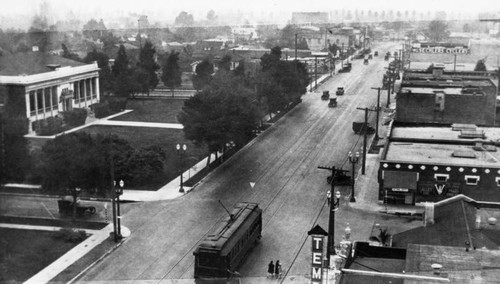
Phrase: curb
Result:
[96,261]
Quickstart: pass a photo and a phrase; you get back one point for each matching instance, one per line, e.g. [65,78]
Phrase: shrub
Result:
[48,126]
[70,235]
[101,109]
[116,104]
[76,117]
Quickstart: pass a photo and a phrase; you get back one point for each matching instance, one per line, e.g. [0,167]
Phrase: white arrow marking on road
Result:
[252,184]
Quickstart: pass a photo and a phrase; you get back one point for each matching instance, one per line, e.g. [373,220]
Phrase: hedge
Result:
[48,126]
[101,110]
[75,118]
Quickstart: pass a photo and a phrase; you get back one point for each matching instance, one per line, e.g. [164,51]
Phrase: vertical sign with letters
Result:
[317,259]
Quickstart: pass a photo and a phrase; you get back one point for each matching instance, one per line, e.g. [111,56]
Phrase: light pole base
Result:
[181,190]
[352,199]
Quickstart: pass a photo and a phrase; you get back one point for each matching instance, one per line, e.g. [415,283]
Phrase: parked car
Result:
[347,68]
[361,127]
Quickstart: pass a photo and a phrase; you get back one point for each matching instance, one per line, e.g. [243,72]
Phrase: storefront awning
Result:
[400,179]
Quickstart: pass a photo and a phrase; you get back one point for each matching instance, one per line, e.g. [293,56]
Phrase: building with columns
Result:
[39,86]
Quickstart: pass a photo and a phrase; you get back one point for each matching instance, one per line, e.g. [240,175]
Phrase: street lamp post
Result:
[2,144]
[331,227]
[118,192]
[353,159]
[181,152]
[75,192]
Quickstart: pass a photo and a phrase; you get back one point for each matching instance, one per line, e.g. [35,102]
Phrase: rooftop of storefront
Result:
[446,133]
[442,154]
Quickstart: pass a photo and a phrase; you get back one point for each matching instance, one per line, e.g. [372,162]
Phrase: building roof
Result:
[441,154]
[442,134]
[458,265]
[454,224]
[30,63]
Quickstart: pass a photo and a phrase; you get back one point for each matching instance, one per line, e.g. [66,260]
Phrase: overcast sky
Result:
[199,8]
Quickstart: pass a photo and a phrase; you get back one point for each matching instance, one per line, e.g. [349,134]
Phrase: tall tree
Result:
[220,113]
[184,19]
[437,31]
[147,62]
[68,54]
[123,83]
[480,65]
[225,63]
[203,74]
[105,79]
[171,75]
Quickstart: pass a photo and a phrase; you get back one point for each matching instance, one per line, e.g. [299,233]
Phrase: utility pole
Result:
[365,134]
[391,82]
[113,199]
[316,72]
[296,47]
[378,112]
[454,64]
[139,29]
[342,56]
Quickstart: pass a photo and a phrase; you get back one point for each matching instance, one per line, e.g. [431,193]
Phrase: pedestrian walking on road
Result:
[277,269]
[329,197]
[270,270]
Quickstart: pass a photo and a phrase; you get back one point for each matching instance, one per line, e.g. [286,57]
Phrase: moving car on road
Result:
[340,91]
[325,96]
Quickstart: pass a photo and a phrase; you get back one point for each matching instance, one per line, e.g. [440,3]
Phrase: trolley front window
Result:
[208,259]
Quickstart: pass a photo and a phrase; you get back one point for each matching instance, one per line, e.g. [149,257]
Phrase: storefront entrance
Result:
[400,187]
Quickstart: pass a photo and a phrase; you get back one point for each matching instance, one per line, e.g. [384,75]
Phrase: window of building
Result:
[471,180]
[87,86]
[94,92]
[441,177]
[32,102]
[54,98]
[82,89]
[46,93]
[39,98]
[77,91]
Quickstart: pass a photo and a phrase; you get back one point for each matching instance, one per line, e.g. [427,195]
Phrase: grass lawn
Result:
[152,110]
[23,253]
[140,137]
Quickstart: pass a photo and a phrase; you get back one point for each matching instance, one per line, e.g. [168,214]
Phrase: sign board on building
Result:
[317,259]
[400,189]
[440,48]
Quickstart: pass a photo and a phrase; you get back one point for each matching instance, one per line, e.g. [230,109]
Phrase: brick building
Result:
[431,163]
[447,97]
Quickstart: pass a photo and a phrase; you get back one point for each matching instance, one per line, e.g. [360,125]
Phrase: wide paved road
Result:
[282,162]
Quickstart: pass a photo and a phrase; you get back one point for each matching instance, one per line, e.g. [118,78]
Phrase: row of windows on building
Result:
[46,99]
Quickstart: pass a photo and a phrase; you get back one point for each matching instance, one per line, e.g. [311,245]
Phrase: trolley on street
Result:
[225,248]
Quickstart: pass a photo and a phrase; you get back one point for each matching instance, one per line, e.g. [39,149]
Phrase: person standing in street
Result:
[270,270]
[277,269]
